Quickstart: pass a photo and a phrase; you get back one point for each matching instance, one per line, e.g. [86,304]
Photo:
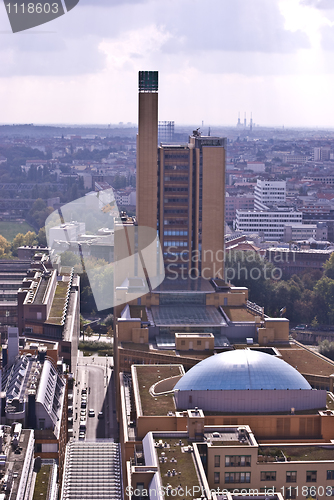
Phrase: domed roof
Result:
[241,369]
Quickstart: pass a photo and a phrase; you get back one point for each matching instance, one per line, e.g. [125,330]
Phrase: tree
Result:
[4,247]
[329,267]
[30,238]
[109,321]
[326,348]
[17,242]
[89,332]
[41,237]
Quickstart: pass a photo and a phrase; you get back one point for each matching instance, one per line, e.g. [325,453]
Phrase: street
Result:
[95,373]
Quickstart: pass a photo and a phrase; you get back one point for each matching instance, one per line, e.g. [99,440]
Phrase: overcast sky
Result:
[216,58]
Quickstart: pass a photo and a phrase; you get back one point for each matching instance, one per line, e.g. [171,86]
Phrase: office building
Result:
[268,193]
[270,224]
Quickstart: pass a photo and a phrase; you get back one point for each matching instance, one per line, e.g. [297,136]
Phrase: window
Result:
[237,460]
[268,476]
[311,476]
[38,447]
[217,477]
[291,476]
[199,342]
[39,315]
[183,342]
[330,474]
[217,460]
[237,477]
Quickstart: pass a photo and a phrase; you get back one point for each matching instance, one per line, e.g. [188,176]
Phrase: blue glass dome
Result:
[239,370]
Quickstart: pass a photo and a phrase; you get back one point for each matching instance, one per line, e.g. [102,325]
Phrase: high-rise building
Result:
[181,191]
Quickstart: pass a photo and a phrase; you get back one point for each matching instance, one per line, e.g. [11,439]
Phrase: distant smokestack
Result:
[251,122]
[238,124]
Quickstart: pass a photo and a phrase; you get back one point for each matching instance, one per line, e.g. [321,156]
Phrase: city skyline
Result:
[269,59]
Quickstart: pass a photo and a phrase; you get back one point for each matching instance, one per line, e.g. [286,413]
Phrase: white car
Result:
[91,413]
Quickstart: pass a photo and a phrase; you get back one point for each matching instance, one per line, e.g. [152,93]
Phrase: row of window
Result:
[175,233]
[245,460]
[183,189]
[234,460]
[176,178]
[175,200]
[234,477]
[175,243]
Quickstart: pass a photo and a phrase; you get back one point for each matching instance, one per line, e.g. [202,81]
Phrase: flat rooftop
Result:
[149,375]
[176,463]
[59,300]
[228,437]
[239,313]
[306,361]
[297,453]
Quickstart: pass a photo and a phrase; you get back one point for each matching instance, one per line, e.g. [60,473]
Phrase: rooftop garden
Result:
[58,303]
[42,482]
[148,376]
[174,456]
[295,453]
[238,313]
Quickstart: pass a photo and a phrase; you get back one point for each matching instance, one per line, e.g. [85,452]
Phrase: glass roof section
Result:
[187,315]
[242,369]
[185,285]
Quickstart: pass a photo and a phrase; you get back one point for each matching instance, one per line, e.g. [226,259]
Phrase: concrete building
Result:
[191,199]
[268,193]
[297,261]
[17,462]
[35,395]
[234,203]
[66,232]
[269,224]
[300,231]
[48,308]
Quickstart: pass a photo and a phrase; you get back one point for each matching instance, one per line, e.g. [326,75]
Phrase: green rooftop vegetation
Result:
[183,464]
[58,303]
[297,453]
[42,482]
[148,376]
[238,314]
